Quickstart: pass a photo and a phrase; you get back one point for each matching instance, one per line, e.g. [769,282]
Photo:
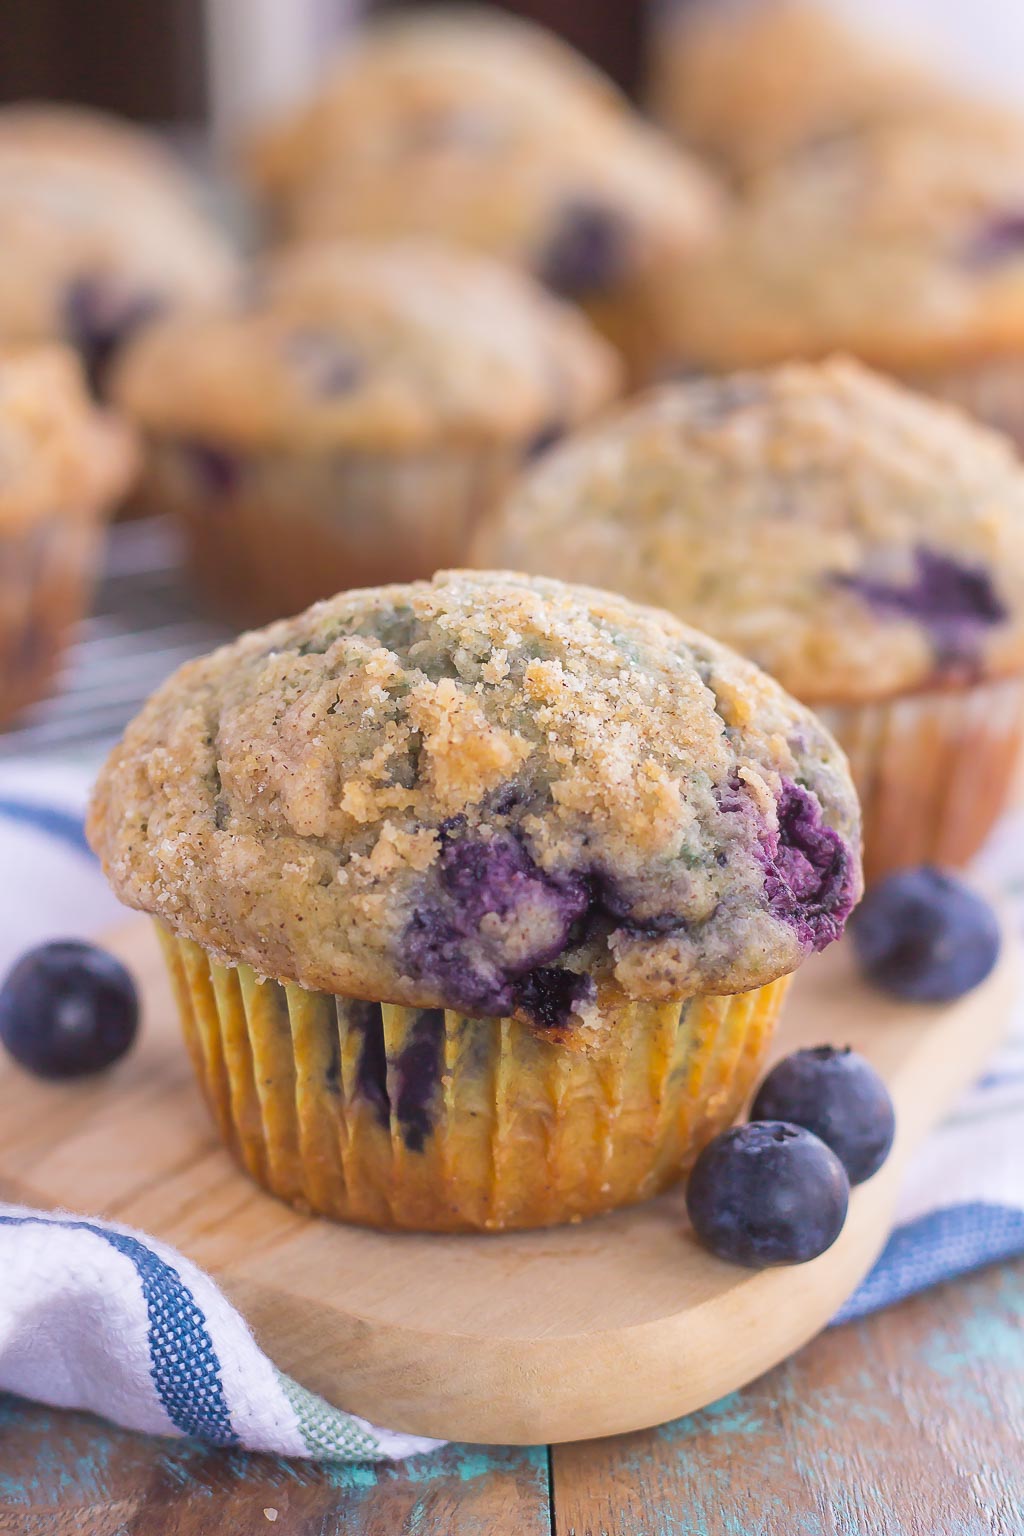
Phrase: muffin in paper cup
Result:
[351,421]
[431,1120]
[480,896]
[462,125]
[63,464]
[863,544]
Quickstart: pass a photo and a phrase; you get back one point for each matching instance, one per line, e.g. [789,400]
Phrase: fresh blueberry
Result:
[767,1193]
[924,936]
[68,1009]
[840,1097]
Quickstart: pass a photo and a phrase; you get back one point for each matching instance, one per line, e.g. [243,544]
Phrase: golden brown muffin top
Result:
[486,132]
[904,247]
[853,538]
[487,792]
[58,452]
[751,83]
[373,346]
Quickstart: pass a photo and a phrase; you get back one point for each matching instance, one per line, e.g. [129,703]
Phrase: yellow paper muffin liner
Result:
[934,770]
[515,1131]
[284,531]
[46,574]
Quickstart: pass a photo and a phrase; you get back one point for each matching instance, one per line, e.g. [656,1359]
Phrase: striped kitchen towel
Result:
[96,1316]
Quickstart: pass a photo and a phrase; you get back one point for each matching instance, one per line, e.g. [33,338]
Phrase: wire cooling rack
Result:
[144,624]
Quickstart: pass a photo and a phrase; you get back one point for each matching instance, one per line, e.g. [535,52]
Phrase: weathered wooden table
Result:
[908,1424]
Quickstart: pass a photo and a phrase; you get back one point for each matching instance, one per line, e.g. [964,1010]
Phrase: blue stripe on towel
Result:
[62,825]
[182,1360]
[934,1247]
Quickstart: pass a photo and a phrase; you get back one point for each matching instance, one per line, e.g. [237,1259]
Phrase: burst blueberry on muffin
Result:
[62,465]
[750,82]
[528,866]
[488,133]
[862,544]
[903,247]
[99,231]
[349,421]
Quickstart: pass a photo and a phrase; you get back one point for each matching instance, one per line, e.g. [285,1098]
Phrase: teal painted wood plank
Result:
[67,1471]
[910,1423]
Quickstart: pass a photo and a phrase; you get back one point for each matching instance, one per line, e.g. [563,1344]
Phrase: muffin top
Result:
[750,83]
[390,346]
[497,794]
[98,230]
[58,453]
[904,246]
[488,133]
[853,538]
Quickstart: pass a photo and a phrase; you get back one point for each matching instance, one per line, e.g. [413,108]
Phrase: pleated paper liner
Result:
[934,770]
[268,534]
[46,574]
[427,1120]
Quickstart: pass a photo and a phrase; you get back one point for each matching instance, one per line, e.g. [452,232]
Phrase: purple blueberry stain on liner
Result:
[954,603]
[417,1073]
[372,1067]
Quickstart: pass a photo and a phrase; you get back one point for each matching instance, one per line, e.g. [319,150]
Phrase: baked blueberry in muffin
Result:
[100,230]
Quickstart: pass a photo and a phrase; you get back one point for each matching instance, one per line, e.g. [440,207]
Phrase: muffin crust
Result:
[854,539]
[488,793]
[374,347]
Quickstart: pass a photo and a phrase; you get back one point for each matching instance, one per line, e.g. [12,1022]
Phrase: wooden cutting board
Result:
[612,1325]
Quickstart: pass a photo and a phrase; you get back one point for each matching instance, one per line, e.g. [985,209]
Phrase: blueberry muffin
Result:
[346,419]
[488,133]
[750,82]
[62,465]
[904,247]
[862,544]
[99,230]
[479,895]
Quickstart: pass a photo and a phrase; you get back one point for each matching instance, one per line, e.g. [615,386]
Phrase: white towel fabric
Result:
[96,1316]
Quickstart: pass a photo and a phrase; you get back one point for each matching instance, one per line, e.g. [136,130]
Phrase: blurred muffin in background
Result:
[904,247]
[862,544]
[100,230]
[348,420]
[749,82]
[487,132]
[63,463]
